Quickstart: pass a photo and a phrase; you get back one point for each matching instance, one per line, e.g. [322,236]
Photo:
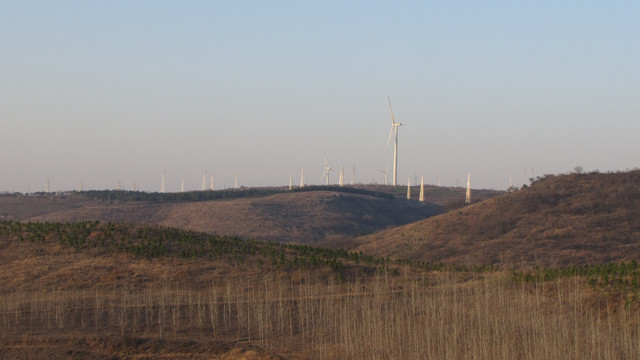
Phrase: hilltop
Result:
[559,220]
[317,215]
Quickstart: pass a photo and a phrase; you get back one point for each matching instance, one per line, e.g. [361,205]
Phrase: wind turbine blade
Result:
[323,174]
[393,121]
[389,139]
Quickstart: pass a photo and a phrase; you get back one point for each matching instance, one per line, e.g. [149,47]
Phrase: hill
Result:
[92,290]
[558,221]
[327,215]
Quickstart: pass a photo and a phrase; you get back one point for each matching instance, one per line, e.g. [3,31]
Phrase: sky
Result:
[108,92]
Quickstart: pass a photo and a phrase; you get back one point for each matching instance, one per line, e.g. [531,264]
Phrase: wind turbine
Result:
[467,198]
[394,129]
[386,176]
[302,178]
[211,183]
[204,180]
[341,179]
[290,181]
[409,189]
[236,185]
[182,184]
[327,169]
[421,199]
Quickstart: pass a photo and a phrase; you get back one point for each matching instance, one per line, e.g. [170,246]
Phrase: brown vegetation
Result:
[60,302]
[302,217]
[558,221]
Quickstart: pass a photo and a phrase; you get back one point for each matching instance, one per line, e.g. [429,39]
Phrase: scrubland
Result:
[313,314]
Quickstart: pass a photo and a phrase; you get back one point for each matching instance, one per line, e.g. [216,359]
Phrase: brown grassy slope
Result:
[307,217]
[182,309]
[563,220]
[18,207]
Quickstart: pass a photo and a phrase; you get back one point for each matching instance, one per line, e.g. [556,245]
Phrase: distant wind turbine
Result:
[421,189]
[302,178]
[409,189]
[204,180]
[290,181]
[182,185]
[386,175]
[341,179]
[237,182]
[211,183]
[353,176]
[327,169]
[467,198]
[394,129]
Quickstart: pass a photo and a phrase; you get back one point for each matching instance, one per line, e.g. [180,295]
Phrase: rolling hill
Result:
[558,221]
[326,215]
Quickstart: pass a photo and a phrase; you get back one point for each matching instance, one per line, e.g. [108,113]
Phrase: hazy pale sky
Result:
[108,91]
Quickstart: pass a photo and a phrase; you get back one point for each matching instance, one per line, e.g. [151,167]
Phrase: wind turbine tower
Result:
[290,181]
[421,189]
[386,176]
[327,169]
[302,178]
[353,176]
[467,198]
[211,183]
[341,180]
[204,180]
[46,186]
[182,184]
[237,182]
[394,133]
[409,189]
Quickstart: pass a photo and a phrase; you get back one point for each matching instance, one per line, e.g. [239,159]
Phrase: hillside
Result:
[316,216]
[94,290]
[557,221]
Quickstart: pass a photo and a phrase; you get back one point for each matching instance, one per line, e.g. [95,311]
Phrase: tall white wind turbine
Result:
[236,185]
[204,180]
[341,179]
[394,130]
[302,178]
[409,189]
[290,181]
[386,175]
[211,183]
[327,169]
[467,198]
[421,199]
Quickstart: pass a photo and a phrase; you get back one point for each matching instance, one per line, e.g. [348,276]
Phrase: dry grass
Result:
[302,315]
[301,217]
[560,221]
